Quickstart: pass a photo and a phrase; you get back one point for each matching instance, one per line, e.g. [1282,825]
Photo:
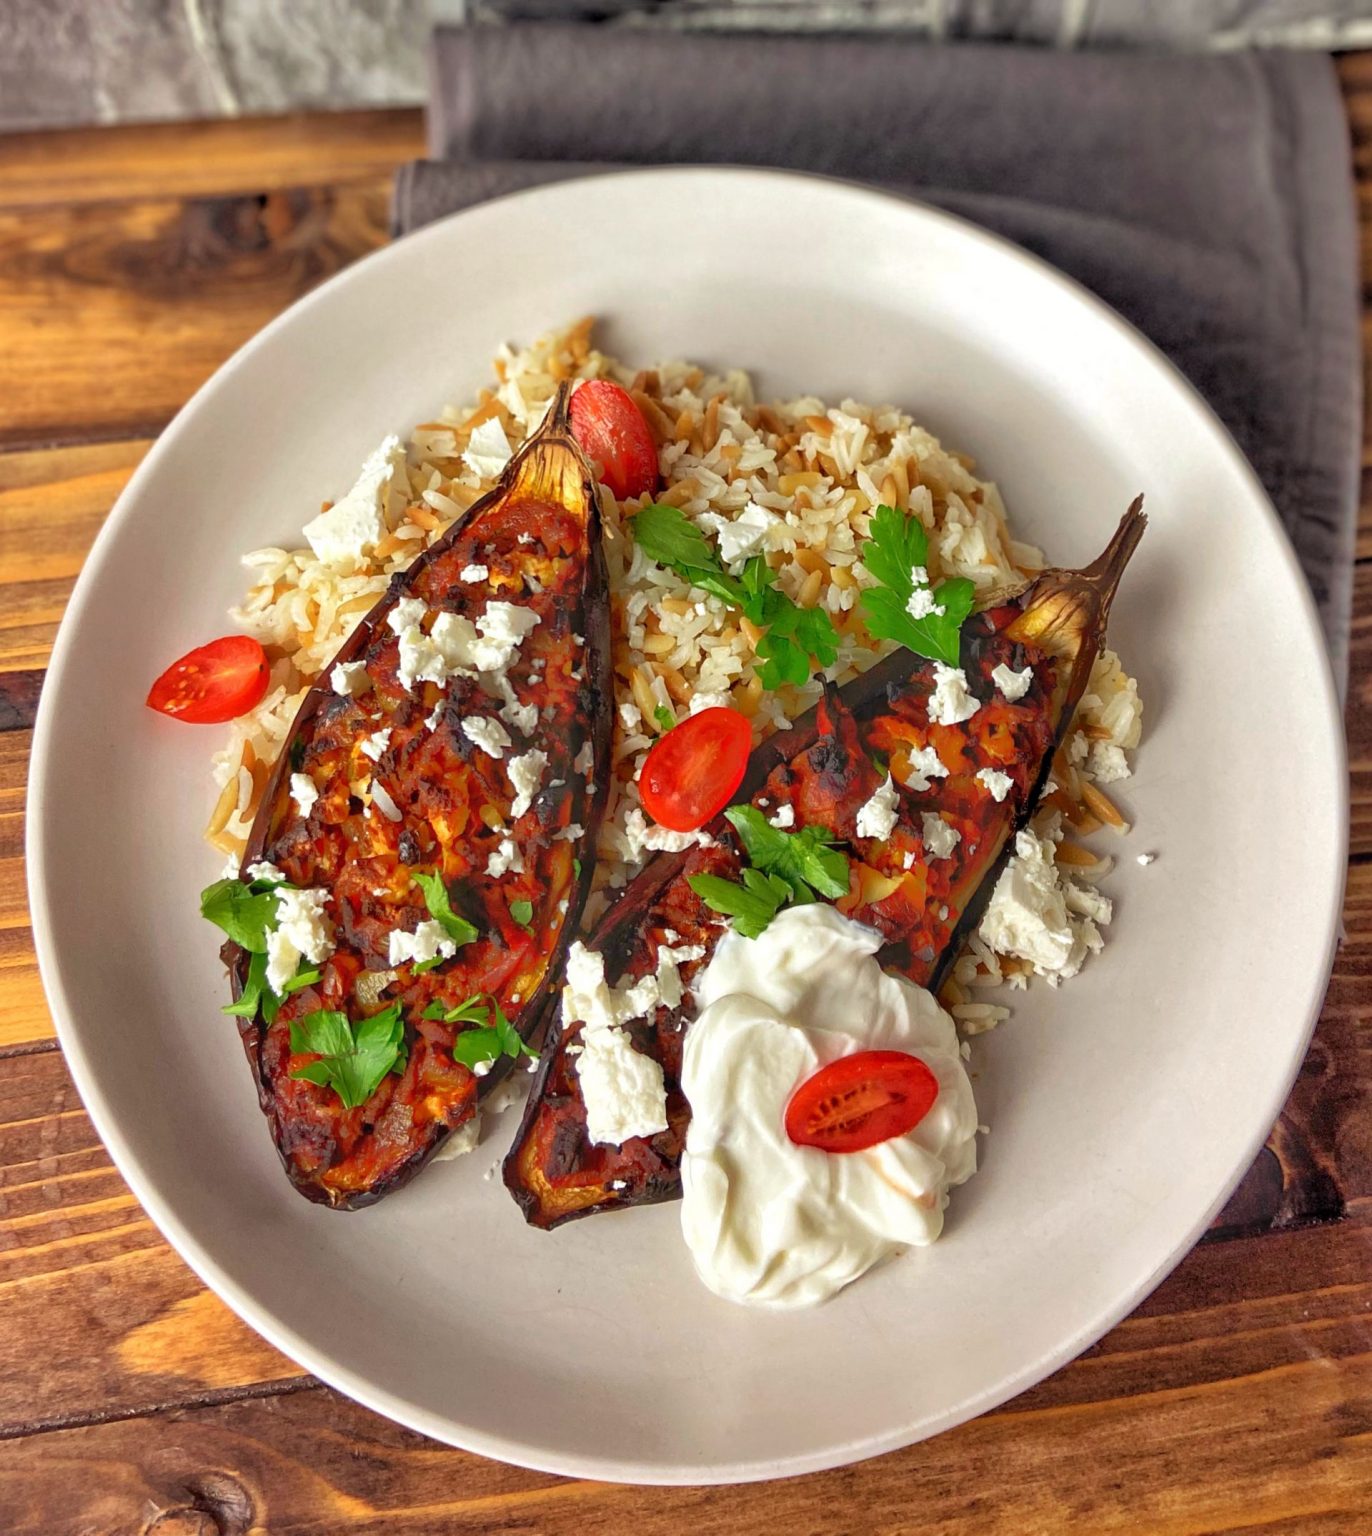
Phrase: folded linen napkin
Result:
[1207,198]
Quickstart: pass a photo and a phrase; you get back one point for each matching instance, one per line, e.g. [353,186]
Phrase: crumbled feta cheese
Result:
[921,603]
[408,612]
[492,737]
[950,703]
[526,774]
[354,526]
[570,833]
[506,860]
[1013,685]
[623,1091]
[262,870]
[381,799]
[639,837]
[374,745]
[1146,858]
[745,535]
[304,792]
[429,941]
[708,700]
[908,861]
[1106,762]
[435,715]
[1000,784]
[785,817]
[1029,915]
[349,678]
[488,450]
[877,818]
[231,869]
[474,573]
[938,837]
[630,717]
[302,932]
[584,761]
[925,766]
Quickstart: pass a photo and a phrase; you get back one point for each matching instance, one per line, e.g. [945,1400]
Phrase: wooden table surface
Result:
[1238,1398]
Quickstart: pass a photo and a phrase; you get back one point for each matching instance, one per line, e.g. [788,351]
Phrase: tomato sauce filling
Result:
[896,886]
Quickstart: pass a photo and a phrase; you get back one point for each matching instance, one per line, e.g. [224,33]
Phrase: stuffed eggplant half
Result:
[896,800]
[412,877]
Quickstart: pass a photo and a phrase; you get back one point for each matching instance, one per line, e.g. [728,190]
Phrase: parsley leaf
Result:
[576,868]
[246,914]
[353,1057]
[522,912]
[805,860]
[472,1011]
[751,905]
[437,900]
[664,717]
[254,989]
[501,1038]
[897,545]
[794,634]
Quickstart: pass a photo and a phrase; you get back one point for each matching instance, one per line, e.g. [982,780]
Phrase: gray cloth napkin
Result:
[1208,198]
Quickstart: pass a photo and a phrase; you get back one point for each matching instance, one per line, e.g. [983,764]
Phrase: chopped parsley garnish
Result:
[472,1011]
[246,912]
[495,1038]
[576,868]
[897,548]
[664,717]
[788,868]
[751,906]
[353,1057]
[522,912]
[806,860]
[440,906]
[793,634]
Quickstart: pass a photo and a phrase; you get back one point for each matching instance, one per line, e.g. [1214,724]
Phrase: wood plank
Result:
[52,505]
[113,314]
[1222,1406]
[24,1013]
[248,154]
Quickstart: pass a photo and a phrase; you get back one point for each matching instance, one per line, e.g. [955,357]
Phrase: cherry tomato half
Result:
[611,429]
[213,683]
[692,772]
[860,1100]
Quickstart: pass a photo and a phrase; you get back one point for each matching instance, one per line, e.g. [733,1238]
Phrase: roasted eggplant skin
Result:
[538,534]
[823,768]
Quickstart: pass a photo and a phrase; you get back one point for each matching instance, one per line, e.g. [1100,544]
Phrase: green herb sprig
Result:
[439,903]
[495,1036]
[897,546]
[793,634]
[788,868]
[353,1057]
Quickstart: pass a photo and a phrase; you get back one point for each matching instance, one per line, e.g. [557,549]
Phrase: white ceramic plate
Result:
[1122,1109]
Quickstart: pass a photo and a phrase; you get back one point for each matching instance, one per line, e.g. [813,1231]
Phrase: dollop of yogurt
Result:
[781,1225]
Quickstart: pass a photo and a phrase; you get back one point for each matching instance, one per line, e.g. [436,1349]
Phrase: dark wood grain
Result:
[140,160]
[1212,1409]
[115,313]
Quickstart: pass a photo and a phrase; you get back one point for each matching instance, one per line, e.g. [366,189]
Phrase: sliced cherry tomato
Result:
[213,683]
[611,428]
[860,1100]
[693,771]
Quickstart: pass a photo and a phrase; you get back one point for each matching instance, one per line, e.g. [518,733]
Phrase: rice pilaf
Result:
[803,477]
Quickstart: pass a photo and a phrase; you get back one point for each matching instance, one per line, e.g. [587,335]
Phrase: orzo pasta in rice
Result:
[796,480]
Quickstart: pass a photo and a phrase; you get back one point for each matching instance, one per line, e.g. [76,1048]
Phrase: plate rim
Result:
[389,1404]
